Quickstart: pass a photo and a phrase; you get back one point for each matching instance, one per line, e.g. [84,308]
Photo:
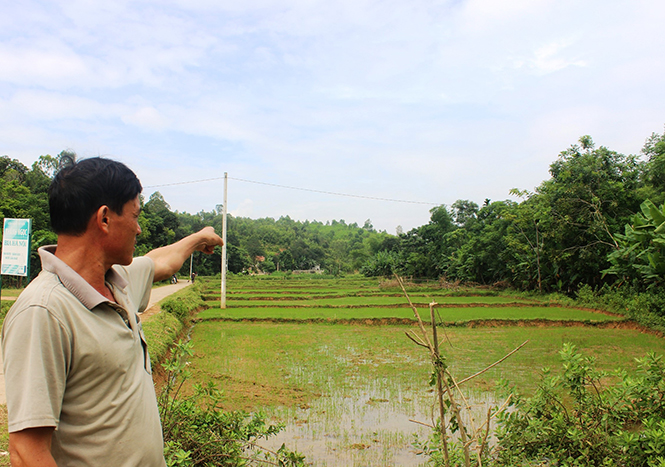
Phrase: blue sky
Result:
[418,100]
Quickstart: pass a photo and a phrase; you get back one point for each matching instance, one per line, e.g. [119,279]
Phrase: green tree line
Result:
[598,220]
[264,245]
[253,245]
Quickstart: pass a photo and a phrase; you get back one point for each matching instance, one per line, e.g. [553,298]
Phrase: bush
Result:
[646,308]
[384,263]
[162,329]
[4,308]
[573,420]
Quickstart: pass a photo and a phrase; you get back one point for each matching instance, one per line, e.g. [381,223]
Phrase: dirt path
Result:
[157,294]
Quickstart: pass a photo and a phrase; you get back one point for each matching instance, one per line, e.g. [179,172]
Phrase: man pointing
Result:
[77,370]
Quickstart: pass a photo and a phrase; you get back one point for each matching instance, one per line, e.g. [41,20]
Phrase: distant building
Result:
[315,270]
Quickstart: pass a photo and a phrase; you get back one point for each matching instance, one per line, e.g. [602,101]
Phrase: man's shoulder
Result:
[44,292]
[135,281]
[139,265]
[40,290]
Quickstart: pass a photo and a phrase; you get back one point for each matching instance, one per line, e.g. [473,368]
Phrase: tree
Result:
[640,257]
[591,194]
[654,169]
[158,224]
[483,254]
[425,250]
[464,212]
[524,240]
[157,203]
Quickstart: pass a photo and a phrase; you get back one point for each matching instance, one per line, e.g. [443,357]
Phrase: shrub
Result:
[4,308]
[646,308]
[573,420]
[384,263]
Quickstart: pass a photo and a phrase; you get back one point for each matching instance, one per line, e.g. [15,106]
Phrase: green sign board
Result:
[16,247]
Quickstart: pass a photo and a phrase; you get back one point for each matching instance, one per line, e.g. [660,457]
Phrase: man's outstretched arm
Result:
[169,259]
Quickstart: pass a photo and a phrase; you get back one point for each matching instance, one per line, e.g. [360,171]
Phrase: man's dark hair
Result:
[82,187]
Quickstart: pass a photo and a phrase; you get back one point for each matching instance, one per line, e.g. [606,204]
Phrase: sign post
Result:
[16,244]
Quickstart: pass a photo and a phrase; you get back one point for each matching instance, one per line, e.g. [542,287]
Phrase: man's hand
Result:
[31,448]
[169,259]
[208,239]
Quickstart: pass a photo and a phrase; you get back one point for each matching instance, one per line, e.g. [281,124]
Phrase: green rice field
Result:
[335,366]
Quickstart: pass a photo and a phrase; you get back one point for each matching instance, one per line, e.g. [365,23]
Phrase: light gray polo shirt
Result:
[79,363]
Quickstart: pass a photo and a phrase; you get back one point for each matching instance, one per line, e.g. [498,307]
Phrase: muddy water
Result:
[371,426]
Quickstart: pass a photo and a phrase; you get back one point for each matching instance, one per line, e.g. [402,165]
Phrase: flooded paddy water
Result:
[347,395]
[368,426]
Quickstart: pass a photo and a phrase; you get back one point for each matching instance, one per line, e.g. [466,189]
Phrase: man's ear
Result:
[102,218]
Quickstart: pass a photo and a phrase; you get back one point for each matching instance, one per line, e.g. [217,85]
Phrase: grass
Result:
[347,393]
[4,437]
[161,330]
[5,305]
[262,364]
[281,347]
[447,315]
[11,292]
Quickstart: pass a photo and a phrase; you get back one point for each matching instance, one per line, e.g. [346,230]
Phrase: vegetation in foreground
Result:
[349,354]
[197,432]
[576,419]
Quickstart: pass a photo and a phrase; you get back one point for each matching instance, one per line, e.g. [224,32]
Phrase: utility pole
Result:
[223,304]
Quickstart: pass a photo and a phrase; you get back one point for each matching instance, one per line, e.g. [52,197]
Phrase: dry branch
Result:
[493,364]
[444,380]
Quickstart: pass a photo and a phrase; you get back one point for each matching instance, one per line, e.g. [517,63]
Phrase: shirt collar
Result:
[73,282]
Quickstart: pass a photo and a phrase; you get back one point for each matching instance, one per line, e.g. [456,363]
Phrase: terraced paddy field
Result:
[329,358]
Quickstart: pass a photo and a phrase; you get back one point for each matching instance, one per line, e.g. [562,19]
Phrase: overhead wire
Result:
[348,195]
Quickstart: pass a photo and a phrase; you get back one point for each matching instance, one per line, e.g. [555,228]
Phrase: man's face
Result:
[123,231]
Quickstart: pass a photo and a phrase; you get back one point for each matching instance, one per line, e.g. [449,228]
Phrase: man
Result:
[77,370]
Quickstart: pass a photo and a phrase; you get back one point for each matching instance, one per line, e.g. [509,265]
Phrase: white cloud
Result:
[243,209]
[549,58]
[147,117]
[47,65]
[418,100]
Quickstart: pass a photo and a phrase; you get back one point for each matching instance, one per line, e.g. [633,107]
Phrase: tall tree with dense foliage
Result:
[591,195]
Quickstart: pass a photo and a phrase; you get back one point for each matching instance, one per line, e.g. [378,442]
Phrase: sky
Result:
[399,105]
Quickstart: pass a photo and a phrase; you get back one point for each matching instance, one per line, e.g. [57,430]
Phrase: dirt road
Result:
[157,294]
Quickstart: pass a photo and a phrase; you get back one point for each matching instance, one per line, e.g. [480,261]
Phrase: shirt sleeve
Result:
[140,275]
[36,352]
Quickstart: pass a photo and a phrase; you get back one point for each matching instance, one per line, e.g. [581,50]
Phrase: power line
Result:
[186,183]
[296,188]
